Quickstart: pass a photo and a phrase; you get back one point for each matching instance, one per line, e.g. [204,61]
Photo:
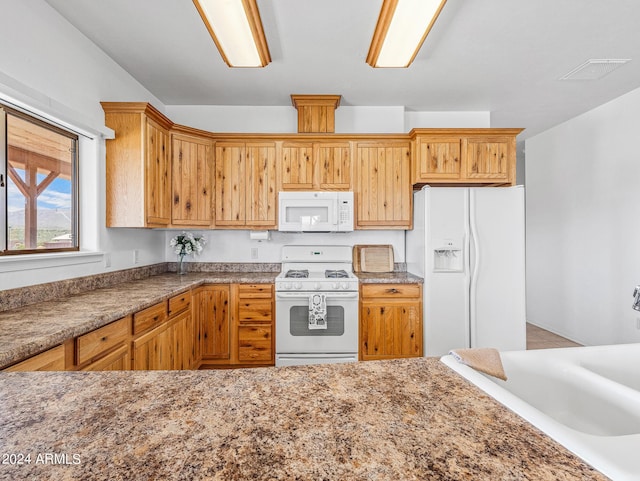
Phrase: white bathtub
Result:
[586,398]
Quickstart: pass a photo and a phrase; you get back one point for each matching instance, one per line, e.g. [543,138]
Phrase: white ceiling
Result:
[502,56]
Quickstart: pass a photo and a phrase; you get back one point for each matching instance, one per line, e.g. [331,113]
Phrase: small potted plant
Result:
[186,244]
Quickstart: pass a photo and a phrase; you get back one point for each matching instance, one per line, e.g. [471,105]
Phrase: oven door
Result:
[293,335]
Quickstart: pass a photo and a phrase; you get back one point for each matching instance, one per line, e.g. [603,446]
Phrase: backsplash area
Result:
[236,246]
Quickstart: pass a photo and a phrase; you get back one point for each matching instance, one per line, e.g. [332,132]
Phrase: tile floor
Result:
[538,338]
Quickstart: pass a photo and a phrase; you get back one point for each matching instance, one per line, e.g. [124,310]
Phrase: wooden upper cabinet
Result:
[260,188]
[138,171]
[245,184]
[230,183]
[315,166]
[488,158]
[192,180]
[334,165]
[383,187]
[464,156]
[296,166]
[438,158]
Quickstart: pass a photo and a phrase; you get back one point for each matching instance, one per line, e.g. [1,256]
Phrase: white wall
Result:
[235,246]
[583,235]
[56,71]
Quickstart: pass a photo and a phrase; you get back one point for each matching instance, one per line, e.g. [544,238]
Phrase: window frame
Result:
[4,181]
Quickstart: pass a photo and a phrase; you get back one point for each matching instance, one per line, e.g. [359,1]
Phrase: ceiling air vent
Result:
[595,68]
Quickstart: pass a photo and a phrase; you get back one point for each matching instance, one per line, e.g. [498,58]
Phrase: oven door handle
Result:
[330,295]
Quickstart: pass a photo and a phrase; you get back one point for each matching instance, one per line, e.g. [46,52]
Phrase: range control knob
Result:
[297,285]
[344,285]
[335,285]
[317,286]
[287,285]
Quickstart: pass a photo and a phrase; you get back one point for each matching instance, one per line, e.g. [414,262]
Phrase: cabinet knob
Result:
[393,290]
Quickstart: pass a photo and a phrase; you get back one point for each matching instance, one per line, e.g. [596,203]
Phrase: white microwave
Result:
[315,211]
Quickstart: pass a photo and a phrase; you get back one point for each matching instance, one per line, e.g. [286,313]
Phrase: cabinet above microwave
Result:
[315,211]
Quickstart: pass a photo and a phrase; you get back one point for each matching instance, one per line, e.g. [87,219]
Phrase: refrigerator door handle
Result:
[475,266]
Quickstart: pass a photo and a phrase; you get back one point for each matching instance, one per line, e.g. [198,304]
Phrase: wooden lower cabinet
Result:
[236,325]
[213,324]
[153,350]
[168,343]
[118,360]
[390,321]
[254,326]
[51,360]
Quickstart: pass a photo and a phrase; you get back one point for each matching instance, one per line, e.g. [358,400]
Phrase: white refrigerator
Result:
[468,244]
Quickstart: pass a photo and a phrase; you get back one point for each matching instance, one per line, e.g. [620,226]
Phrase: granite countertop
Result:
[29,330]
[411,419]
[34,328]
[388,278]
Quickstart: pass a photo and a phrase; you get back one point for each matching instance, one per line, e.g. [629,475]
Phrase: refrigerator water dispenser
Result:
[447,257]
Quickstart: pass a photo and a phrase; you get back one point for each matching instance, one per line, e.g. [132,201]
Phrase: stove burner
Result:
[297,273]
[331,273]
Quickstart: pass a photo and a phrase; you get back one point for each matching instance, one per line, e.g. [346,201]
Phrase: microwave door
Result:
[308,215]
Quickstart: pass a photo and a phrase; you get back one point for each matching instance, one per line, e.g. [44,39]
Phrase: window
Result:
[38,185]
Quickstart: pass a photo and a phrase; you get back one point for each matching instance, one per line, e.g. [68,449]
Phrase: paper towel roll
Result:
[259,235]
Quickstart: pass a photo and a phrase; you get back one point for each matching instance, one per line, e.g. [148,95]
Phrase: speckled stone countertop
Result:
[388,278]
[34,328]
[383,420]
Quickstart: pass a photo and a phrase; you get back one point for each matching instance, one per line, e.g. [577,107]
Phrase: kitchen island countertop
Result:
[402,419]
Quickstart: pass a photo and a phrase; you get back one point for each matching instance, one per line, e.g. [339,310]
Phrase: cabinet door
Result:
[261,185]
[154,350]
[192,179]
[51,360]
[158,181]
[213,318]
[389,330]
[333,165]
[437,159]
[230,184]
[296,166]
[181,341]
[383,187]
[488,158]
[118,360]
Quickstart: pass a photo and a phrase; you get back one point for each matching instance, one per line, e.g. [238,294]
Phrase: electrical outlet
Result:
[254,253]
[637,322]
[136,256]
[107,259]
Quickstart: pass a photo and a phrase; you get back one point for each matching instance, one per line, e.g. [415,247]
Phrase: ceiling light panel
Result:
[401,29]
[236,29]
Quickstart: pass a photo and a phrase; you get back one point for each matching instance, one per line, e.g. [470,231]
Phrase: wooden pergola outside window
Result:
[41,205]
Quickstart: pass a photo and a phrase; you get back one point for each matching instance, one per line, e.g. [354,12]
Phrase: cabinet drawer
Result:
[254,344]
[149,317]
[391,290]
[95,343]
[51,360]
[179,303]
[255,310]
[254,291]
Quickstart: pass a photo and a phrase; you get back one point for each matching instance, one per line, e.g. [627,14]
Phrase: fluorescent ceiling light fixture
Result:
[401,29]
[236,29]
